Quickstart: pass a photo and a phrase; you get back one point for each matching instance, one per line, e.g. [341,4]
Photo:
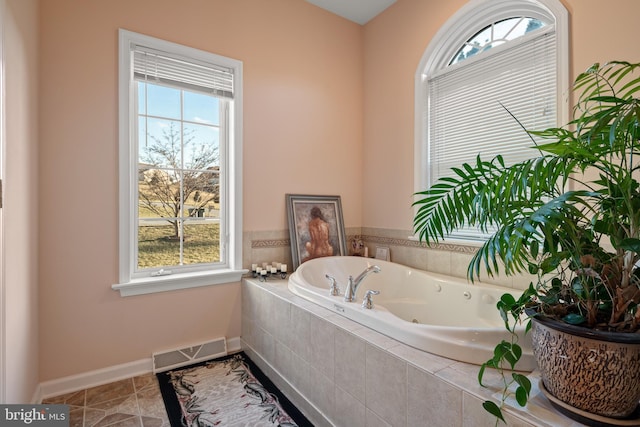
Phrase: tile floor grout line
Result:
[148,402]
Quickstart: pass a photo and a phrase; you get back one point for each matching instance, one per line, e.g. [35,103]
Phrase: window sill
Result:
[149,285]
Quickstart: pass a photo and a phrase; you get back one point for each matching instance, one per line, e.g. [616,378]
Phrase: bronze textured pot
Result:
[594,371]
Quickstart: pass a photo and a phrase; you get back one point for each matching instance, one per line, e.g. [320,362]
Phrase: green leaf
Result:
[481,373]
[493,409]
[534,248]
[522,381]
[512,354]
[574,319]
[630,245]
[508,300]
[550,264]
[521,396]
[500,350]
[528,326]
[516,350]
[523,389]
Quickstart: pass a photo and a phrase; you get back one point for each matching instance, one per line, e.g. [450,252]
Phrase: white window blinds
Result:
[161,67]
[466,114]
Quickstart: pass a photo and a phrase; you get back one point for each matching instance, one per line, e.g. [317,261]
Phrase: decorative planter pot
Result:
[593,371]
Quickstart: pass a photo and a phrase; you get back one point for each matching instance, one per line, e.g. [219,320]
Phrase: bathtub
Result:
[431,312]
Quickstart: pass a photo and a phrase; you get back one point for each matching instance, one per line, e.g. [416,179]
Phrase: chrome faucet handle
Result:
[334,290]
[367,302]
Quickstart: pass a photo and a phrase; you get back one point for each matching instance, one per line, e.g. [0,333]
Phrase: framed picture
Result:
[382,253]
[316,228]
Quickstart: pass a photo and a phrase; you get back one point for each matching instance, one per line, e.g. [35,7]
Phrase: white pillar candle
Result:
[254,267]
[283,268]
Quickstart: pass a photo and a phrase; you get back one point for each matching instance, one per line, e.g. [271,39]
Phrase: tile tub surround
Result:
[341,373]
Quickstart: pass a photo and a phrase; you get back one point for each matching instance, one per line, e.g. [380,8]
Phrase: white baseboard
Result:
[107,375]
[94,378]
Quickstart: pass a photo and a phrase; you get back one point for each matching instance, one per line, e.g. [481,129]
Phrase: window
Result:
[180,166]
[490,61]
[496,34]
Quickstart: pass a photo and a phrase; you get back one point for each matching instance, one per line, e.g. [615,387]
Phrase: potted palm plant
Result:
[571,218]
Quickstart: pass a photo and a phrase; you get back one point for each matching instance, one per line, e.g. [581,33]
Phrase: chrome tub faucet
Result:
[353,284]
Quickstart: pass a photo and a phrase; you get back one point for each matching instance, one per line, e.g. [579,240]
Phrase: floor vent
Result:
[171,359]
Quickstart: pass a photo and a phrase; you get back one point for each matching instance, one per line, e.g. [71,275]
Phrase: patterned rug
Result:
[230,391]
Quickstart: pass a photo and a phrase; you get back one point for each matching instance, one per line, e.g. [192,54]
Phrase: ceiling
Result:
[359,11]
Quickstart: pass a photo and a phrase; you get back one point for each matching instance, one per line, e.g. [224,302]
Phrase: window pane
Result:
[158,245]
[496,34]
[163,101]
[158,194]
[201,146]
[162,146]
[532,24]
[201,108]
[202,241]
[482,38]
[202,194]
[505,29]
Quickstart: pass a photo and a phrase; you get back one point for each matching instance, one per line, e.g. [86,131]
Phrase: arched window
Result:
[496,34]
[496,66]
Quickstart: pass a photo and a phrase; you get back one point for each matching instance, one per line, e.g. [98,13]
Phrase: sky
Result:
[160,108]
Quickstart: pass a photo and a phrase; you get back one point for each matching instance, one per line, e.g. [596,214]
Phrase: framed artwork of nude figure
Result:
[316,228]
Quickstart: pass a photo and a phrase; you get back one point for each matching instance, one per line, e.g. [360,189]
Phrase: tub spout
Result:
[353,284]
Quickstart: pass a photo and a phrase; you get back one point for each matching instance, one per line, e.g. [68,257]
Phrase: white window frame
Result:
[471,18]
[231,271]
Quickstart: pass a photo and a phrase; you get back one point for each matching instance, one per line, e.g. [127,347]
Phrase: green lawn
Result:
[157,248]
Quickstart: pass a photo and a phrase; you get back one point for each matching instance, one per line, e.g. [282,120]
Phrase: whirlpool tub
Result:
[438,314]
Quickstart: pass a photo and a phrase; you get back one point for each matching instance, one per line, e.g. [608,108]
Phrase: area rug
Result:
[230,391]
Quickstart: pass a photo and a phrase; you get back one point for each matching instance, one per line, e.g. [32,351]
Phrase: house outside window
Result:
[495,67]
[180,166]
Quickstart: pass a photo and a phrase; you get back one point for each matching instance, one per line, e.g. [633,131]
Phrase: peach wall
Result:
[394,43]
[302,133]
[393,46]
[21,200]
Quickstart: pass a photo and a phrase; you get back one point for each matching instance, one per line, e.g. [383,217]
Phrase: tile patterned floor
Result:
[134,402]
